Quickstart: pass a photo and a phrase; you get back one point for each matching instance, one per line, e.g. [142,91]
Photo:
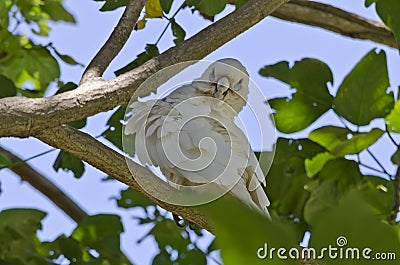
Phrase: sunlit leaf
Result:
[153,9]
[4,17]
[329,136]
[315,164]
[340,141]
[7,87]
[178,32]
[310,78]
[362,96]
[388,11]
[69,162]
[140,24]
[39,62]
[357,143]
[393,119]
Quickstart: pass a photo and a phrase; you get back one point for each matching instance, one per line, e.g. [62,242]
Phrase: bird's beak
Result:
[222,87]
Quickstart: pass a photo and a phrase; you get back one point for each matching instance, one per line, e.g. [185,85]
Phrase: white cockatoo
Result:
[191,135]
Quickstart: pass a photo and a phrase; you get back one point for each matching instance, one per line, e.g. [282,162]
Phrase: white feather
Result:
[201,150]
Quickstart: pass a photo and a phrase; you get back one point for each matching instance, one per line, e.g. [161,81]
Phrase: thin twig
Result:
[169,22]
[115,42]
[45,186]
[396,199]
[391,137]
[377,161]
[371,168]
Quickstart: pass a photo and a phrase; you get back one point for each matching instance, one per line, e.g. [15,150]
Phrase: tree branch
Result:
[115,42]
[396,199]
[336,20]
[45,186]
[114,164]
[23,117]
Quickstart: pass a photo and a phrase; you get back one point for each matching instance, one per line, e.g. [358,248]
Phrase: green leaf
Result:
[356,222]
[7,87]
[63,247]
[336,178]
[388,11]
[378,192]
[18,240]
[345,173]
[4,161]
[341,141]
[393,119]
[323,196]
[166,5]
[4,17]
[66,87]
[41,64]
[100,232]
[161,259]
[357,143]
[153,9]
[69,162]
[329,136]
[151,51]
[287,176]
[241,233]
[239,3]
[208,7]
[114,131]
[178,32]
[67,59]
[362,96]
[110,5]
[131,198]
[57,12]
[315,164]
[396,157]
[309,77]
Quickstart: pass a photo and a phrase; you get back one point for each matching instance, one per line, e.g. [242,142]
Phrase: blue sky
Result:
[268,42]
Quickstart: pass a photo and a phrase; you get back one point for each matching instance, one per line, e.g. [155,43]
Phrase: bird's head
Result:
[226,80]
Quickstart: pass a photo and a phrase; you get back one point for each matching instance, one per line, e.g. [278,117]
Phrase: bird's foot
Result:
[181,222]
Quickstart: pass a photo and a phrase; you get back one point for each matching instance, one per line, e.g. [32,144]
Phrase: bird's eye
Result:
[212,75]
[238,85]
